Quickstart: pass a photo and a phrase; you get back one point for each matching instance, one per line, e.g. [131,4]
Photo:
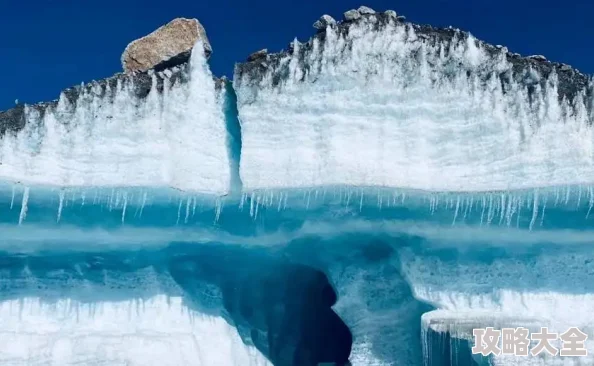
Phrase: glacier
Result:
[109,136]
[367,197]
[385,104]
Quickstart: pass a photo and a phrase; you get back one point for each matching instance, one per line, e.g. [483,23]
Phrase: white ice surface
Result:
[461,324]
[160,331]
[373,115]
[176,139]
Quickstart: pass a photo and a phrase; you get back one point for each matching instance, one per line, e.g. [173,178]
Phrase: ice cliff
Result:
[383,103]
[371,193]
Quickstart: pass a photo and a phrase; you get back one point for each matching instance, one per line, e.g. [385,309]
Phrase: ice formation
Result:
[110,137]
[397,185]
[383,103]
[157,331]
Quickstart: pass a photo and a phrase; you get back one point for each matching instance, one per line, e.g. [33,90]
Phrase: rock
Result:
[391,14]
[365,10]
[351,15]
[565,67]
[537,57]
[401,18]
[167,46]
[258,55]
[324,21]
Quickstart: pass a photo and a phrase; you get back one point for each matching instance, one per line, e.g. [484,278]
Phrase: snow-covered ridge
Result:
[162,129]
[379,102]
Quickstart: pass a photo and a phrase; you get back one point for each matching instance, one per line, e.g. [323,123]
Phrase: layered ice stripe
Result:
[378,102]
[109,136]
[157,331]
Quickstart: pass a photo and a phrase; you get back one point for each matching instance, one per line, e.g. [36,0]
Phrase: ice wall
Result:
[106,134]
[379,102]
[159,331]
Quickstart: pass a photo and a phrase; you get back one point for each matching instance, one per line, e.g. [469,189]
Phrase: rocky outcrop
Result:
[351,15]
[168,46]
[258,55]
[324,21]
[365,10]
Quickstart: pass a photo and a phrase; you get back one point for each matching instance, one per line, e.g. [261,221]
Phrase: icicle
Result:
[252,205]
[60,205]
[125,206]
[257,206]
[490,213]
[502,210]
[544,206]
[188,202]
[591,203]
[467,208]
[456,211]
[179,211]
[361,202]
[218,210]
[12,199]
[23,213]
[534,210]
[483,210]
[111,198]
[142,204]
[242,201]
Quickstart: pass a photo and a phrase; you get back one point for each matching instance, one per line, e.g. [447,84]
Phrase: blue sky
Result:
[48,45]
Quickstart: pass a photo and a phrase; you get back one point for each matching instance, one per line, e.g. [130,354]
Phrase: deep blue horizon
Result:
[51,45]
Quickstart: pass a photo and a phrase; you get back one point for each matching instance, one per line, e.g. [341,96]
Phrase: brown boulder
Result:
[167,46]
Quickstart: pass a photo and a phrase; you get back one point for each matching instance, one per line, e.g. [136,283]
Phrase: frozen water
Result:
[157,331]
[175,139]
[393,192]
[389,264]
[448,339]
[388,108]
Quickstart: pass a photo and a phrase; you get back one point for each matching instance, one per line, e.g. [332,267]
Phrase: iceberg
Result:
[367,197]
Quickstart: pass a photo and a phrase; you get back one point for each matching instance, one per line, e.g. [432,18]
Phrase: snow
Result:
[388,109]
[158,331]
[175,139]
